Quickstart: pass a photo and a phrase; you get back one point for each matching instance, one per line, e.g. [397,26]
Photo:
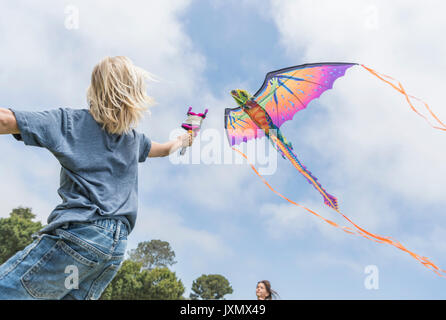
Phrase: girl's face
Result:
[261,291]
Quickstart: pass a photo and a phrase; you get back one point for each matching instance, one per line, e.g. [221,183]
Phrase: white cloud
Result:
[24,179]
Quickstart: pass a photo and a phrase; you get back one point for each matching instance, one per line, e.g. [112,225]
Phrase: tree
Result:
[152,254]
[210,287]
[132,283]
[16,231]
[161,284]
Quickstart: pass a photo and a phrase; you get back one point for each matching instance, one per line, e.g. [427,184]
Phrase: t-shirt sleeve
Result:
[41,129]
[144,146]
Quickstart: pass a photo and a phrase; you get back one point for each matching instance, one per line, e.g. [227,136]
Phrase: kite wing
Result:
[296,87]
[239,126]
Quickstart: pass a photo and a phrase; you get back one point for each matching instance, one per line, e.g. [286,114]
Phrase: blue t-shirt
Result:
[99,174]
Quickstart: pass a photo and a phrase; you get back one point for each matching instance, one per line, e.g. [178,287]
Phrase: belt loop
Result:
[118,230]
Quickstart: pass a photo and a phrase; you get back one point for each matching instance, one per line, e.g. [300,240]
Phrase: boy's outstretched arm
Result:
[8,123]
[165,149]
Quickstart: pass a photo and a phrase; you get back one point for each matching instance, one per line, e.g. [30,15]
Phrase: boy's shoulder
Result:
[76,113]
[84,114]
[74,110]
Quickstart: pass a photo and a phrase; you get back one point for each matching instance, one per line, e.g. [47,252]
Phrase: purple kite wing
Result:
[297,86]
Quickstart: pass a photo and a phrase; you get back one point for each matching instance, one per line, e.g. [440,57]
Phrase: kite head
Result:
[241,96]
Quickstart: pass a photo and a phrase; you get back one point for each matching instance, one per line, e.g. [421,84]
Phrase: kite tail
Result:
[399,87]
[426,262]
[287,152]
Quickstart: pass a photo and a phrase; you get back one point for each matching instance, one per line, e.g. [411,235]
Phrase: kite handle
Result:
[193,124]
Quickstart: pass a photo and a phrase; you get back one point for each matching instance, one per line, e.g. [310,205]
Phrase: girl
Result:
[79,251]
[264,291]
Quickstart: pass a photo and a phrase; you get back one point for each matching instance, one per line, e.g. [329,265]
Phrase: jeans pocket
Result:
[57,272]
[102,281]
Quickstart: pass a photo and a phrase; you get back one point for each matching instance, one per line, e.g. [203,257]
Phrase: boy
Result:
[79,251]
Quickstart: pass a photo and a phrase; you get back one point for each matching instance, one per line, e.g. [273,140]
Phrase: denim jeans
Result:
[76,261]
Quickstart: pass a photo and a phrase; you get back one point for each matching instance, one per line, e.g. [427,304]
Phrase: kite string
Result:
[360,231]
[401,90]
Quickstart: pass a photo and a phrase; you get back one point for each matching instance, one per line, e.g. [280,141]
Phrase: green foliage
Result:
[16,231]
[153,254]
[210,287]
[24,213]
[125,284]
[132,283]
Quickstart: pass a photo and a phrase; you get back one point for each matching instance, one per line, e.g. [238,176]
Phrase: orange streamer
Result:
[359,231]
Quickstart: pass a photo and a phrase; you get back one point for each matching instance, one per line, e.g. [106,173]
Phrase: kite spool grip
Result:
[193,123]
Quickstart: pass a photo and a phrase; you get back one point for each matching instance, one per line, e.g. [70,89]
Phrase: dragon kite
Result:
[285,92]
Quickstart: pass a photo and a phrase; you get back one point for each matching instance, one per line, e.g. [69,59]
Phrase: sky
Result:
[361,139]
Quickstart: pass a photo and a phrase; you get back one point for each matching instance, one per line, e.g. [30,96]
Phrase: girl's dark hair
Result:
[271,293]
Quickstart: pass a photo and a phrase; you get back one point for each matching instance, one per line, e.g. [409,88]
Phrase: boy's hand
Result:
[186,139]
[165,149]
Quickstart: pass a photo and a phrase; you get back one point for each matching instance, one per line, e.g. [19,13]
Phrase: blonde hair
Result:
[117,94]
